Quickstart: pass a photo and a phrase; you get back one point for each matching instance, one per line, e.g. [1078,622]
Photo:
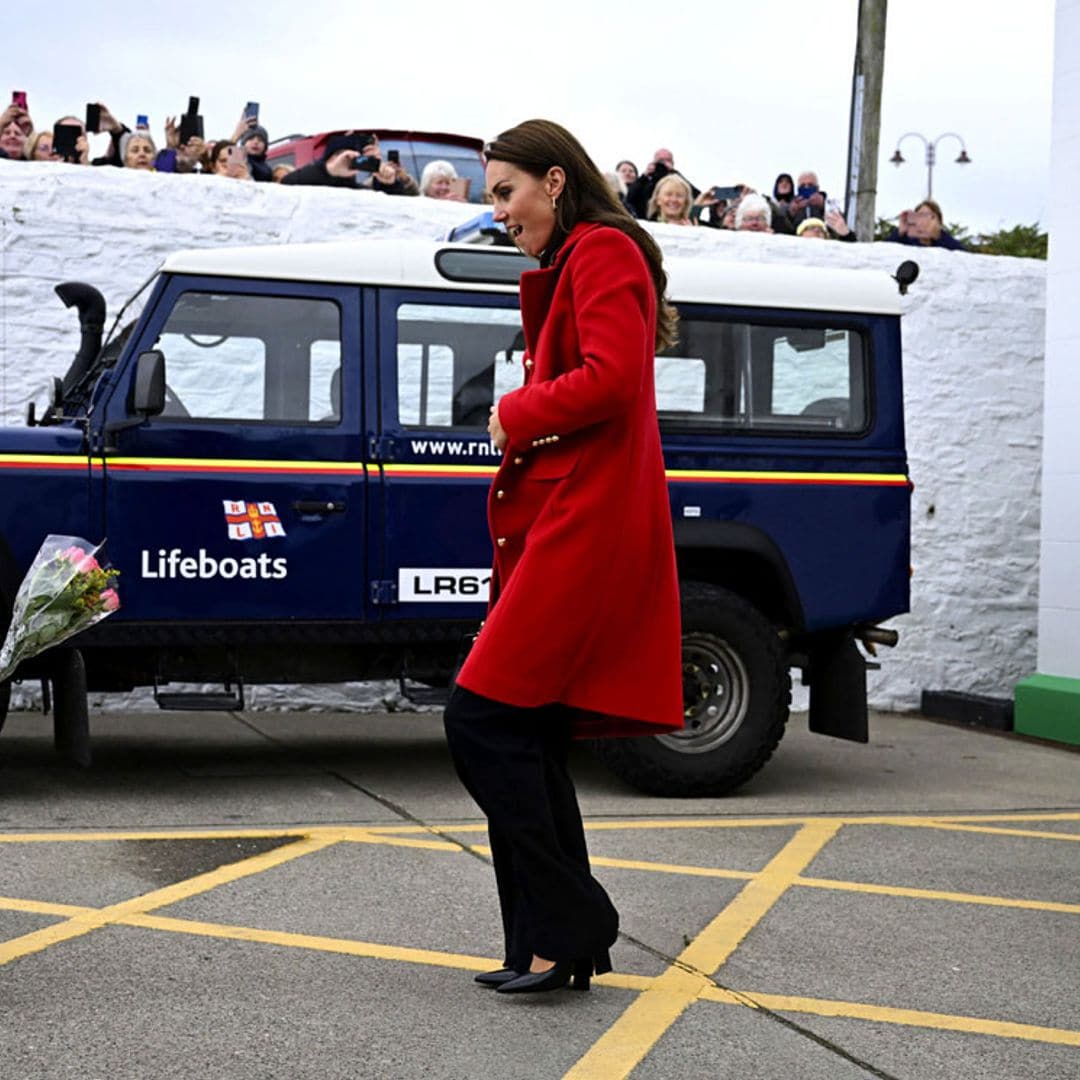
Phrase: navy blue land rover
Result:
[286,448]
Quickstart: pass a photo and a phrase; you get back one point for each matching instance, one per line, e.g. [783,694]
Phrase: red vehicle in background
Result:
[416,149]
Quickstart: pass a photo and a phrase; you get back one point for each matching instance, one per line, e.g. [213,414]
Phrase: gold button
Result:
[554,438]
[500,493]
[518,460]
[537,442]
[501,541]
[529,363]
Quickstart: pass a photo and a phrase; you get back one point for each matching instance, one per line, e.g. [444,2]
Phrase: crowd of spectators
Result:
[659,192]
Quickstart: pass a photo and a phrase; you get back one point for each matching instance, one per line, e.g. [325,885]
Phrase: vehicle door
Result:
[445,357]
[245,498]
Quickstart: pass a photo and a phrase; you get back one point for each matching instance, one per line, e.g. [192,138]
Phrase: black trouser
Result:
[512,761]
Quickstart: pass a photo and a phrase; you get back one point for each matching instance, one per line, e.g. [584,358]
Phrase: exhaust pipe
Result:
[872,636]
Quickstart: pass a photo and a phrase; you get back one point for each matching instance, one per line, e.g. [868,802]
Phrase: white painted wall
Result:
[973,332]
[1059,578]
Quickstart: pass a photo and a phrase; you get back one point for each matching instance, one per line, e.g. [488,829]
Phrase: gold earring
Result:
[554,204]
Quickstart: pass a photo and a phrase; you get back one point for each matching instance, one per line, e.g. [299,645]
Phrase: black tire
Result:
[736,693]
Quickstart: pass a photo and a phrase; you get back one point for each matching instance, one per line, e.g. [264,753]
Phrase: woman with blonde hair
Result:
[671,201]
[436,181]
[39,147]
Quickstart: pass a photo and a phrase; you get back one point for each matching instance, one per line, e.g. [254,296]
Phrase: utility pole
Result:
[865,127]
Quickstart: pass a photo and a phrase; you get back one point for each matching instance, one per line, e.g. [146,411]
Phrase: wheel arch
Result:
[744,560]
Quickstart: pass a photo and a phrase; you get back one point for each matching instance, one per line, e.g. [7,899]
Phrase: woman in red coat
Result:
[582,635]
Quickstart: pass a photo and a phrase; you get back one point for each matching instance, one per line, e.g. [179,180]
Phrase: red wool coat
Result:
[584,604]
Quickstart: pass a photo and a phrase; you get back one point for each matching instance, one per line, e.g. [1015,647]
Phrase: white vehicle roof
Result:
[411,263]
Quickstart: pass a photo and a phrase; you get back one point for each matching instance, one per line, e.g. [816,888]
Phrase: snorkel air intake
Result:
[91,307]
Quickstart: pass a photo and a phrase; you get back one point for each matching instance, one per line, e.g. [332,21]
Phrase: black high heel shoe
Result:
[495,979]
[556,977]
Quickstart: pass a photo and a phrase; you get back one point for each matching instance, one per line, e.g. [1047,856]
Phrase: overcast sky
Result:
[739,92]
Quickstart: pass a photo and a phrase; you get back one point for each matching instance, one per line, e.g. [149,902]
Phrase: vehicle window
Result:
[775,378]
[454,362]
[252,358]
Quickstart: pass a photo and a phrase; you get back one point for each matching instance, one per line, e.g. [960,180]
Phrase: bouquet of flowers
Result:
[65,590]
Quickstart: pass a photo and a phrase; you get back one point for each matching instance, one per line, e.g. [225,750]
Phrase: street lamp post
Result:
[931,154]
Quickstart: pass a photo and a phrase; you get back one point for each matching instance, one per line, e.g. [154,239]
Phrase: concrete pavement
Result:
[306,895]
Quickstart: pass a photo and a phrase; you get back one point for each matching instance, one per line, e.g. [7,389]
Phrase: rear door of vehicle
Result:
[245,499]
[444,358]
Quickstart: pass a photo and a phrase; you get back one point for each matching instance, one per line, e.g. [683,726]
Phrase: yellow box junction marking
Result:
[618,1051]
[661,999]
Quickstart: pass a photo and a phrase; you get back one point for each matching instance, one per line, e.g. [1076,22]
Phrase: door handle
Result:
[318,506]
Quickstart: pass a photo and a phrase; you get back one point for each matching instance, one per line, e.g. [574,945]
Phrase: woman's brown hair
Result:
[536,146]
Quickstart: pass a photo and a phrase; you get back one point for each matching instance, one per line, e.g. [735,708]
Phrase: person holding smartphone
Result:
[355,160]
[252,136]
[15,127]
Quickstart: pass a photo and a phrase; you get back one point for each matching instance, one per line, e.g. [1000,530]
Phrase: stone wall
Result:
[973,339]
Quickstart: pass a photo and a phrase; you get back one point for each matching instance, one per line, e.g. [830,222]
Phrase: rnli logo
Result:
[252,521]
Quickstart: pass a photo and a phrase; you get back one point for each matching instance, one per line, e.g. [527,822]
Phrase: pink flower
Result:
[87,563]
[73,554]
[110,600]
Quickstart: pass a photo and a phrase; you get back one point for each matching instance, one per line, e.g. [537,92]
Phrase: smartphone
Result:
[726,194]
[18,97]
[833,205]
[93,118]
[65,136]
[393,156]
[192,106]
[142,122]
[251,111]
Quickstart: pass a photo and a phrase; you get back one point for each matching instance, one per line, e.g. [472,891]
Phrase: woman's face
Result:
[927,226]
[139,154]
[231,161]
[523,203]
[255,146]
[783,186]
[43,151]
[672,202]
[439,188]
[12,140]
[627,172]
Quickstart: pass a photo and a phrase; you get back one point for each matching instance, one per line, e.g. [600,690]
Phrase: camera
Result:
[393,156]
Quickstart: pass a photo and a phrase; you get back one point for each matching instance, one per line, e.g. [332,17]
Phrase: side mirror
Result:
[56,395]
[148,396]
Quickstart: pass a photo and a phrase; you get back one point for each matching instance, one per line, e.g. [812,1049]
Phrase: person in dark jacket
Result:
[255,141]
[640,191]
[924,227]
[338,169]
[783,192]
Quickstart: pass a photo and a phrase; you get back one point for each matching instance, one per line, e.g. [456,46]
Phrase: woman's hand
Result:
[496,430]
[172,133]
